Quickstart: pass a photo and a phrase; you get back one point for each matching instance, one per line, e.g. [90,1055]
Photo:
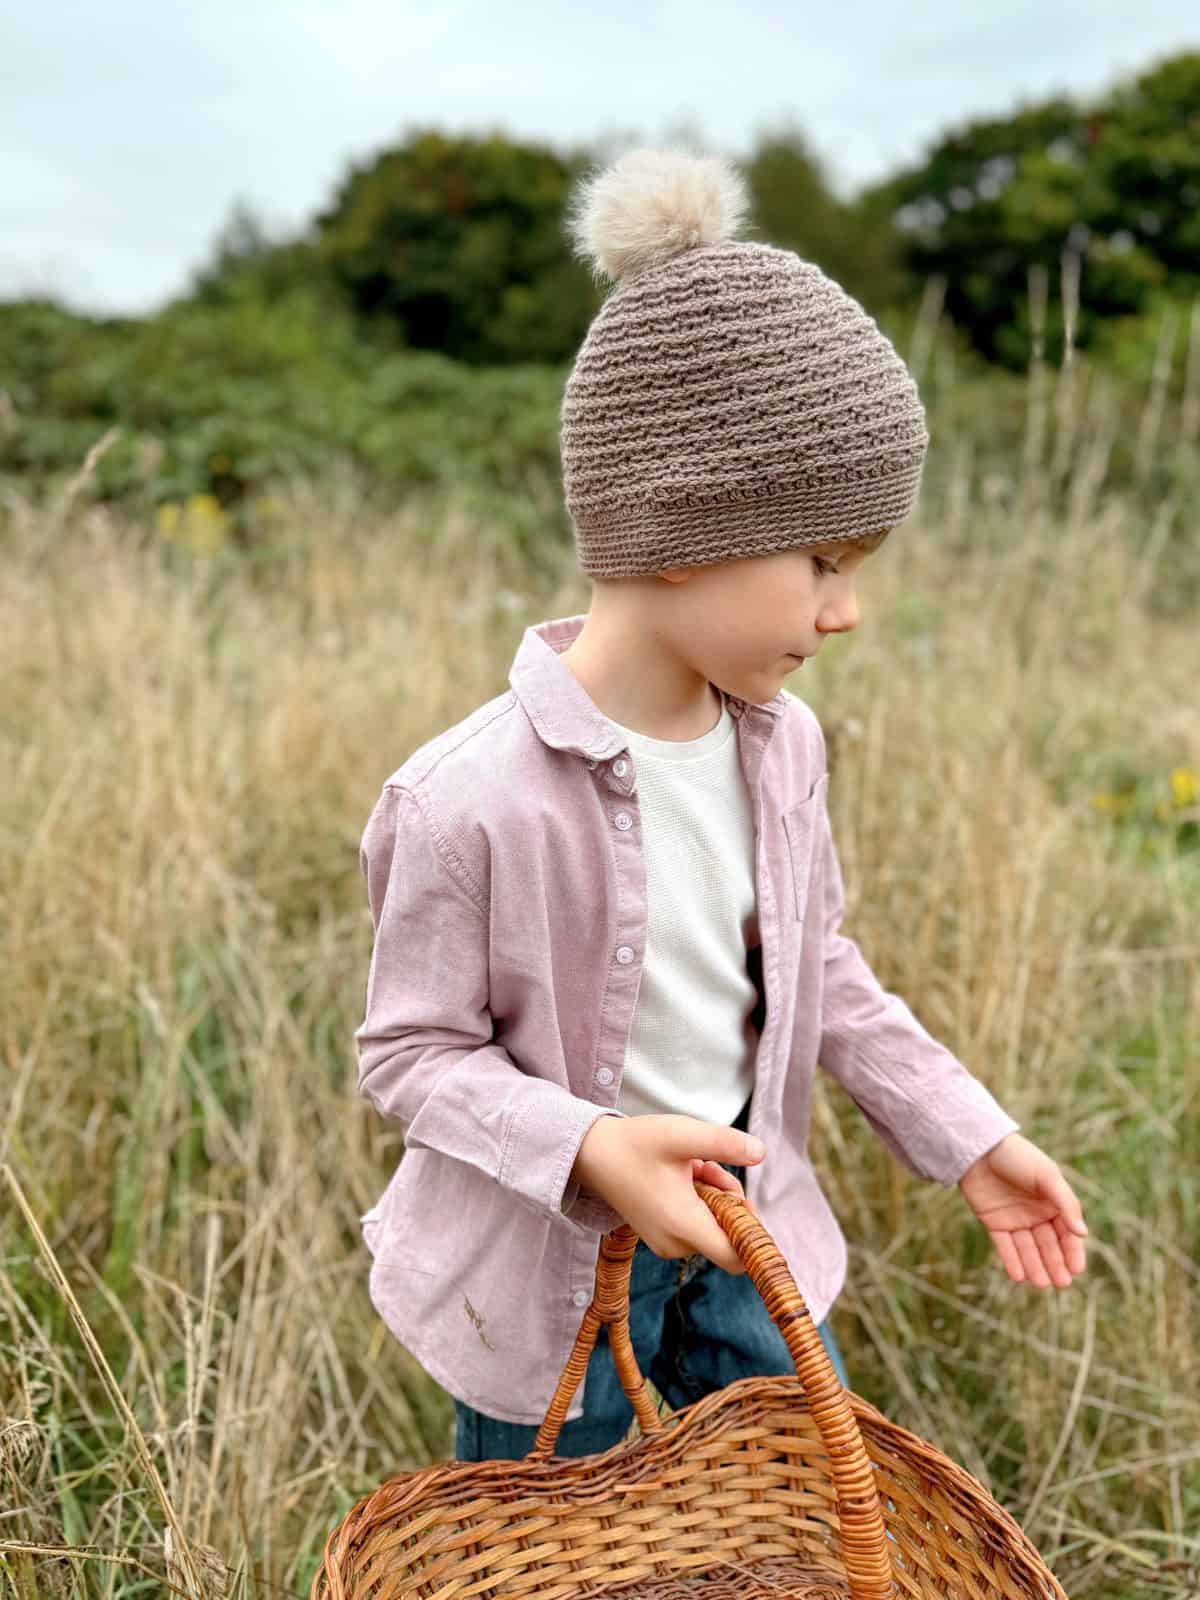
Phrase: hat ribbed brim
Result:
[637,540]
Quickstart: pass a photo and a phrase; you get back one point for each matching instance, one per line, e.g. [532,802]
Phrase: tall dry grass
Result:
[188,1360]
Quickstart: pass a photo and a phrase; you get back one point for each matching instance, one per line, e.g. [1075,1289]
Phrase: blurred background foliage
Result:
[1116,184]
[421,326]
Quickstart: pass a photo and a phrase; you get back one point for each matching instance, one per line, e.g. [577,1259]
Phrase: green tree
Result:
[795,207]
[1114,184]
[1148,149]
[457,245]
[249,261]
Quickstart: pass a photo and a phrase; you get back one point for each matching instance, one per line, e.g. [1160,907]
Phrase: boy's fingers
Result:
[1031,1260]
[710,1141]
[1009,1255]
[1068,1204]
[712,1172]
[715,1244]
[1046,1239]
[1050,1182]
[1073,1247]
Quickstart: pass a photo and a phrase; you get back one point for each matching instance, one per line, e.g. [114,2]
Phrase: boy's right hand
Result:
[646,1168]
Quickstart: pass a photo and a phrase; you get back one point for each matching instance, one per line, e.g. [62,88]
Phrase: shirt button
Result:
[625,954]
[621,767]
[581,1297]
[623,820]
[604,1075]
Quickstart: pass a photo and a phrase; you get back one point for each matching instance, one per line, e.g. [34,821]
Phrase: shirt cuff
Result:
[962,1124]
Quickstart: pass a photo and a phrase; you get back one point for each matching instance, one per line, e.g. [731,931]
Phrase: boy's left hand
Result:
[1030,1210]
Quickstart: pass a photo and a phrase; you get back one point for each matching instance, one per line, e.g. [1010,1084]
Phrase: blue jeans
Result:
[694,1328]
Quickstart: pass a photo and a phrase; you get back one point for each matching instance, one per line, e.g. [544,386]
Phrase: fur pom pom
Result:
[649,205]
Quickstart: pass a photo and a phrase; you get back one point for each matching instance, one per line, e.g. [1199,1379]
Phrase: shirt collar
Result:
[561,710]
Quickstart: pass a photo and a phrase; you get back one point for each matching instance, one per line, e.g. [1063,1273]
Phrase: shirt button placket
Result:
[625,955]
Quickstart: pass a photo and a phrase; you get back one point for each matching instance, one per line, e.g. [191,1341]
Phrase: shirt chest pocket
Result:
[802,826]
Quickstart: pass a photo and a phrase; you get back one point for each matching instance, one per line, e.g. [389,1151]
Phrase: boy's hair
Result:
[868,543]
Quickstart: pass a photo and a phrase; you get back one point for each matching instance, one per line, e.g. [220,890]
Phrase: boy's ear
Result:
[676,574]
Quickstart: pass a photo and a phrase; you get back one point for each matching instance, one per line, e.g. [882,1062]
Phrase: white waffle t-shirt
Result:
[692,1042]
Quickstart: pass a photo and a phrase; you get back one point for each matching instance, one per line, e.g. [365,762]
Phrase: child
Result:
[608,950]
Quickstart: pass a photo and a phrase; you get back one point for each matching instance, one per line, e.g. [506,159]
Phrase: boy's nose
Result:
[838,619]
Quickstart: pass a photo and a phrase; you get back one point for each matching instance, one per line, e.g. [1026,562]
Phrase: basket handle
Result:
[862,1534]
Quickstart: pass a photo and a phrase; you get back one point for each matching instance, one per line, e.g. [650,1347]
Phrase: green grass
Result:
[192,744]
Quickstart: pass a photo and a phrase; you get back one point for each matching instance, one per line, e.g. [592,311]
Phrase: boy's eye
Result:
[823,566]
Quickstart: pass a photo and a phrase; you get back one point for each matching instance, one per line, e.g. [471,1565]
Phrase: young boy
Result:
[608,951]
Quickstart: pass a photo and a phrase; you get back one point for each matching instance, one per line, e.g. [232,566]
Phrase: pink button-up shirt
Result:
[506,877]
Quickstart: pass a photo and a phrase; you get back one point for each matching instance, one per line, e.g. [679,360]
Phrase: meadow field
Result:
[193,734]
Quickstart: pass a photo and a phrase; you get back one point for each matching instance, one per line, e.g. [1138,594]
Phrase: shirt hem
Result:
[441,1374]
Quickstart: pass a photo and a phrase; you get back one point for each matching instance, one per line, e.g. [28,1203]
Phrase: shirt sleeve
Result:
[930,1111]
[427,1056]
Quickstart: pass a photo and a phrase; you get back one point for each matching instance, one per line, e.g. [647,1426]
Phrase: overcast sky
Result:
[128,129]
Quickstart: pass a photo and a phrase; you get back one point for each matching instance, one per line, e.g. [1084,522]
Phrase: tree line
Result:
[456,243]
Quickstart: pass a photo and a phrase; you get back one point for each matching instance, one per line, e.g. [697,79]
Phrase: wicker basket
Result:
[769,1487]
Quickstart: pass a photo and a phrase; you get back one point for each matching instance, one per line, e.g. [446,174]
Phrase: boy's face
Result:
[742,624]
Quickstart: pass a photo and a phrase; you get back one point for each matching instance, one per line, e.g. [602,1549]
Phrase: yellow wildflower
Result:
[207,524]
[200,526]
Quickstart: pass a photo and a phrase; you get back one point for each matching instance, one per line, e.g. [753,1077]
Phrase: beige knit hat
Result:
[728,399]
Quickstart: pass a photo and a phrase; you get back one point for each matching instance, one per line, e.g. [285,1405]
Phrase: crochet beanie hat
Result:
[728,399]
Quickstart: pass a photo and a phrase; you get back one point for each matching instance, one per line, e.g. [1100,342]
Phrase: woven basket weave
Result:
[769,1487]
